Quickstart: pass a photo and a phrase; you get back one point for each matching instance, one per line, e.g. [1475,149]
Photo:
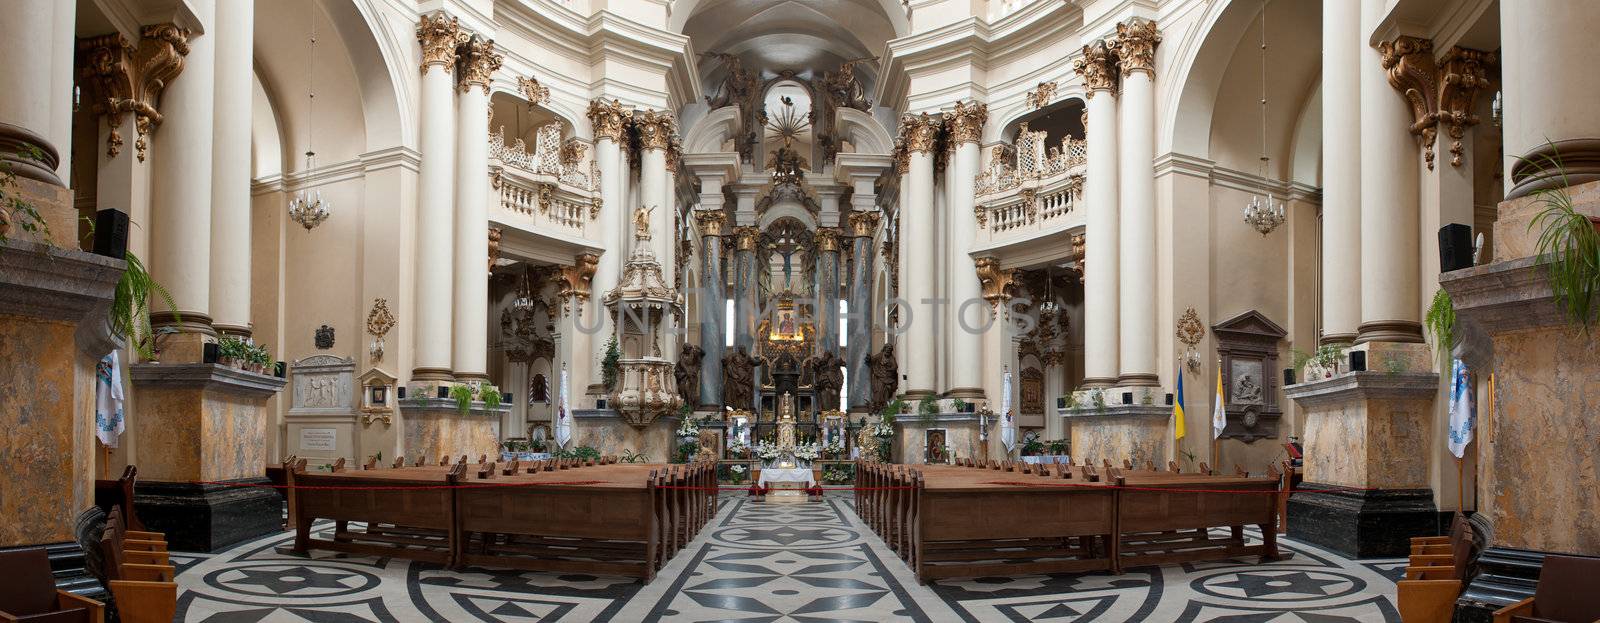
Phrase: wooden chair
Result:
[147,547]
[1428,592]
[119,492]
[29,592]
[1569,592]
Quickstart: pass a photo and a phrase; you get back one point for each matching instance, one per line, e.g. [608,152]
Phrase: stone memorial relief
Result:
[323,410]
[1248,347]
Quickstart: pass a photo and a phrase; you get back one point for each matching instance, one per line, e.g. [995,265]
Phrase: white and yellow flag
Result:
[1219,413]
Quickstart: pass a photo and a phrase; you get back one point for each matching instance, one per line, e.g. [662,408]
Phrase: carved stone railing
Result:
[541,190]
[1033,191]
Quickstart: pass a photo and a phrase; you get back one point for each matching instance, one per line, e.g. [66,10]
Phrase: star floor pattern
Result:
[774,562]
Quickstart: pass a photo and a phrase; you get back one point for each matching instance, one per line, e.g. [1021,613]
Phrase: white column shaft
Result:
[652,196]
[470,352]
[917,274]
[1137,229]
[1547,63]
[180,227]
[1341,170]
[1101,341]
[971,314]
[230,167]
[1389,212]
[435,221]
[613,220]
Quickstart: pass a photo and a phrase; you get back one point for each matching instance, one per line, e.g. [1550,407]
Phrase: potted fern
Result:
[611,366]
[462,394]
[1569,247]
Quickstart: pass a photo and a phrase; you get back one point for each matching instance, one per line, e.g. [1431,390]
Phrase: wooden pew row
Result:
[1110,519]
[597,516]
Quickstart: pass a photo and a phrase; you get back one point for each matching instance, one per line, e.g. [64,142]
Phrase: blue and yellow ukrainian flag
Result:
[1177,407]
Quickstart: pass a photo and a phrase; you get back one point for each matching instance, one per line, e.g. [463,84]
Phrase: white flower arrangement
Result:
[835,448]
[688,429]
[882,430]
[807,452]
[737,448]
[767,451]
[737,469]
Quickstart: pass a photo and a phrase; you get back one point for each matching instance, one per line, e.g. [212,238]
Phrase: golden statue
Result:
[641,222]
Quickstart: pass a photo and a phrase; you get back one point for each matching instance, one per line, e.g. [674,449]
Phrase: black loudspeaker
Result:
[402,392]
[1358,361]
[209,352]
[600,403]
[1169,399]
[506,398]
[111,233]
[444,392]
[1127,398]
[1288,376]
[1455,247]
[280,369]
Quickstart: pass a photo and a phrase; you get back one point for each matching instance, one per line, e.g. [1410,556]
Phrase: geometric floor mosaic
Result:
[775,562]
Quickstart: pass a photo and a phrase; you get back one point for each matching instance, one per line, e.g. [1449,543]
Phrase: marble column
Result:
[747,271]
[1342,44]
[1389,210]
[1136,43]
[438,34]
[1097,68]
[470,352]
[29,37]
[608,120]
[922,320]
[180,222]
[712,308]
[1547,63]
[230,168]
[828,288]
[863,230]
[967,307]
[656,129]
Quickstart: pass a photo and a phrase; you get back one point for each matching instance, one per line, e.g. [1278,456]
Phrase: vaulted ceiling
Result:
[769,36]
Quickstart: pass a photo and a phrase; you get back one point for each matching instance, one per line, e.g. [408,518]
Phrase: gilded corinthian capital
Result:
[711,221]
[1136,43]
[656,129]
[864,224]
[439,35]
[827,239]
[608,118]
[920,132]
[747,237]
[1097,67]
[479,61]
[966,122]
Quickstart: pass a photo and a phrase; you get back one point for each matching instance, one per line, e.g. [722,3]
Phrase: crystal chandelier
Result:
[1264,212]
[307,207]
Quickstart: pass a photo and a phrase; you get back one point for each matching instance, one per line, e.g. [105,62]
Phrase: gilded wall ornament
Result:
[494,245]
[995,282]
[379,322]
[1079,245]
[864,224]
[608,119]
[1041,96]
[981,213]
[966,122]
[1190,332]
[1408,62]
[920,132]
[1030,206]
[1463,73]
[1136,42]
[902,158]
[577,278]
[125,80]
[656,129]
[1097,67]
[535,93]
[439,35]
[479,61]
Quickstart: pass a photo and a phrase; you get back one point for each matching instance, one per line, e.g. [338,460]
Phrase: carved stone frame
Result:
[1250,339]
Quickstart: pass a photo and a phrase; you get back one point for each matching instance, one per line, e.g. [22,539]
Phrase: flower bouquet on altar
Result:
[738,450]
[807,452]
[767,452]
[688,429]
[834,450]
[883,430]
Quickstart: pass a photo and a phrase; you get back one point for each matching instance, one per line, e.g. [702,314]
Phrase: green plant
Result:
[1569,246]
[895,407]
[1441,323]
[1097,397]
[960,405]
[629,456]
[927,409]
[463,397]
[258,355]
[130,306]
[1032,446]
[22,212]
[585,452]
[1189,457]
[611,366]
[490,395]
[1057,446]
[233,349]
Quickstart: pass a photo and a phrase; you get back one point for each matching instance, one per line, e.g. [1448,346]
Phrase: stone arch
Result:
[865,132]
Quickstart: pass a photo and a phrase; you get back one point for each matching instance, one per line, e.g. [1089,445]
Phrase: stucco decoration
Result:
[1097,67]
[920,133]
[439,34]
[608,119]
[966,122]
[479,61]
[1041,96]
[122,79]
[1135,43]
[536,94]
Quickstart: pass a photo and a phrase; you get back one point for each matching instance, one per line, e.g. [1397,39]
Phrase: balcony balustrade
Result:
[1035,191]
[546,190]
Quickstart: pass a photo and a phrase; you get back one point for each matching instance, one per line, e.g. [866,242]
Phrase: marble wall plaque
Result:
[319,439]
[323,384]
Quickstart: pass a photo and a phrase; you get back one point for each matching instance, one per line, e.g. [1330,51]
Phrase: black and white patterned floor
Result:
[766,562]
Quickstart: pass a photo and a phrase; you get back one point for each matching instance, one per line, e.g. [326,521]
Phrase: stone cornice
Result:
[205,376]
[1118,411]
[41,281]
[1504,296]
[1369,385]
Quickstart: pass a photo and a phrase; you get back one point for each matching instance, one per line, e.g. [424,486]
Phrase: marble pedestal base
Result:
[1377,523]
[606,431]
[434,427]
[960,432]
[1504,576]
[1116,432]
[209,517]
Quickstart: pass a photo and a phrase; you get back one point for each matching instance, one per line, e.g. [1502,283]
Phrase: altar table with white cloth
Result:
[793,474]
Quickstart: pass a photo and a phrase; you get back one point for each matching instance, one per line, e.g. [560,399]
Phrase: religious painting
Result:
[1032,391]
[1247,382]
[538,389]
[379,395]
[937,447]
